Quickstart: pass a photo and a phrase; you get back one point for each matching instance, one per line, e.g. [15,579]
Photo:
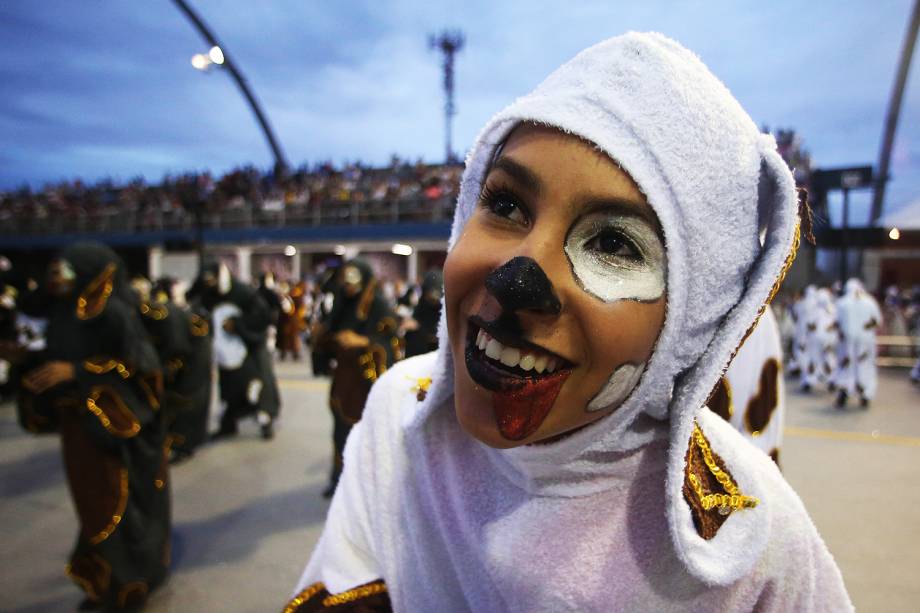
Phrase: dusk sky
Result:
[98,88]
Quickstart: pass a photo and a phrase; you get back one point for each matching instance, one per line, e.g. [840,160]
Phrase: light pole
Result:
[449,42]
[218,55]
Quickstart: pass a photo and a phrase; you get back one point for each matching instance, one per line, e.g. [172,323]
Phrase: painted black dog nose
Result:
[521,285]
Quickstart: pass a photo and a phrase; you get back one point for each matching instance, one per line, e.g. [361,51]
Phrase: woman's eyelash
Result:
[491,197]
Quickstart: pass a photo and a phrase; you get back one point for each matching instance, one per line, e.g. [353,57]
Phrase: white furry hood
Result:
[728,209]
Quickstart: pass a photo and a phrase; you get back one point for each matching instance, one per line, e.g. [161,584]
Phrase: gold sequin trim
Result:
[103,285]
[95,409]
[100,366]
[355,594]
[134,586]
[199,325]
[303,597]
[157,312]
[725,503]
[421,387]
[85,584]
[119,511]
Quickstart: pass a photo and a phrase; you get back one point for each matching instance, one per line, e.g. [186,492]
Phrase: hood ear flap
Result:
[740,540]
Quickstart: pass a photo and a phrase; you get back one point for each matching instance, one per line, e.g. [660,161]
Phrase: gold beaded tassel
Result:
[725,503]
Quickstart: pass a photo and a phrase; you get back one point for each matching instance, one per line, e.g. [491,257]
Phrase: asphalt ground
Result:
[246,513]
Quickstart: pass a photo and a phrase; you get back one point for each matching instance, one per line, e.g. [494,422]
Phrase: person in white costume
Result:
[618,232]
[799,311]
[820,340]
[858,319]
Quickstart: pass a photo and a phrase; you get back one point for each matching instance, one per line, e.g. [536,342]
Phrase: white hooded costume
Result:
[600,520]
[858,318]
[820,356]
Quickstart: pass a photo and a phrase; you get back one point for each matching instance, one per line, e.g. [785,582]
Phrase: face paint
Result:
[351,280]
[61,278]
[618,387]
[616,257]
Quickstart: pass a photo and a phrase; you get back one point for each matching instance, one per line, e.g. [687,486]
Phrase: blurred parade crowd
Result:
[122,368]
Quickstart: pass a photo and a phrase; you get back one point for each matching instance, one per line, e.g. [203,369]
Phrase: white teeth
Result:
[494,349]
[540,364]
[527,362]
[510,356]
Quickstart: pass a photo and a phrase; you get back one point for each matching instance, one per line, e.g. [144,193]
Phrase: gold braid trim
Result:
[354,594]
[733,499]
[119,511]
[94,408]
[134,587]
[305,595]
[100,366]
[94,298]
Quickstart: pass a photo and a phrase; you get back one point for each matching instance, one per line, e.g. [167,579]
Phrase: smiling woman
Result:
[618,232]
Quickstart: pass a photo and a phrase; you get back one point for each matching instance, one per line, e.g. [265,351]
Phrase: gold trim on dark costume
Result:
[119,511]
[134,587]
[316,598]
[94,298]
[367,297]
[93,585]
[199,325]
[99,365]
[99,392]
[157,312]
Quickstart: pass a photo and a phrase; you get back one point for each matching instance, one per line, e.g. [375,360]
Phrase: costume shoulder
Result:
[776,534]
[398,392]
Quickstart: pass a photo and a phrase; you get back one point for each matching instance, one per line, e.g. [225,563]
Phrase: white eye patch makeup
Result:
[618,386]
[617,256]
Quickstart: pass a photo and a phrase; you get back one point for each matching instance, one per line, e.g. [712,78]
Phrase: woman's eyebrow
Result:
[621,206]
[520,173]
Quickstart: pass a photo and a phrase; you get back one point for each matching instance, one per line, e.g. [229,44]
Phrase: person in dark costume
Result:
[327,287]
[422,328]
[183,341]
[98,383]
[240,319]
[361,333]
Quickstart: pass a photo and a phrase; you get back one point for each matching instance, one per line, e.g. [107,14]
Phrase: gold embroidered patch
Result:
[709,488]
[421,387]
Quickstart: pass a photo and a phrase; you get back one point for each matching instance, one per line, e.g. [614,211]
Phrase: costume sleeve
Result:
[343,558]
[812,583]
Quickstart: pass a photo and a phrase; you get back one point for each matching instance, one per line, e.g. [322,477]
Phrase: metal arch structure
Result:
[894,110]
[280,160]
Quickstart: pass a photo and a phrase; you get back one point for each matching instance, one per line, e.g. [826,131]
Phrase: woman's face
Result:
[555,291]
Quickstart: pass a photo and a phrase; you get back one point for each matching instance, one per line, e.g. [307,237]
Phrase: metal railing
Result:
[268,215]
[897,350]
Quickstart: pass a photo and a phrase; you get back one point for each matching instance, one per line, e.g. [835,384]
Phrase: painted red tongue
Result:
[520,411]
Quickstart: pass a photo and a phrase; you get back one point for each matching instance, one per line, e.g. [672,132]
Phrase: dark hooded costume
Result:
[365,313]
[183,341]
[112,435]
[247,379]
[427,313]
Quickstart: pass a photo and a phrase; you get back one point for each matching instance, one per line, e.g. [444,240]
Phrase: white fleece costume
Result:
[858,318]
[597,521]
[820,339]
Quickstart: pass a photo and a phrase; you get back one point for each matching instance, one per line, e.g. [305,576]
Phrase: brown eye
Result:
[613,243]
